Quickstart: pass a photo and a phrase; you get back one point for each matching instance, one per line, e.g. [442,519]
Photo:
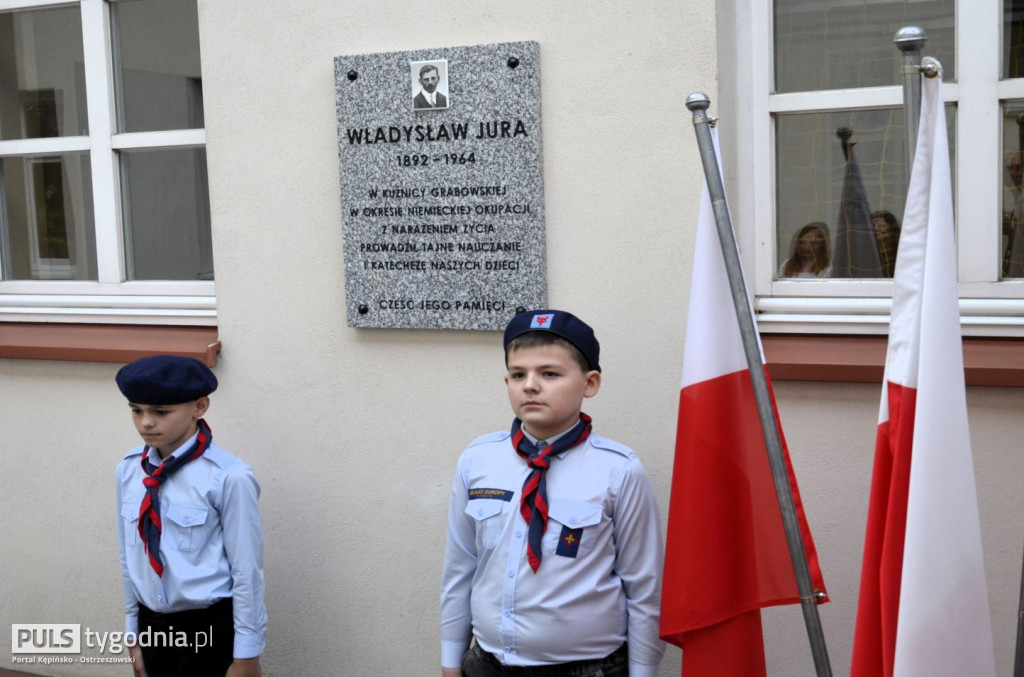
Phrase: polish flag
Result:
[923,607]
[726,552]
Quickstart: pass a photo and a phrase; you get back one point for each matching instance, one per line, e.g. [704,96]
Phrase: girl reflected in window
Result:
[810,254]
[887,235]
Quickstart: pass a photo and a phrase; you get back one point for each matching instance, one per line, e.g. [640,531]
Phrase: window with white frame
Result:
[104,204]
[825,92]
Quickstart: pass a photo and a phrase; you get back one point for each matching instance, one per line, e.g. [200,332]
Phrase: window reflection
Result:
[167,205]
[47,218]
[825,44]
[42,78]
[158,82]
[1013,38]
[1012,209]
[845,172]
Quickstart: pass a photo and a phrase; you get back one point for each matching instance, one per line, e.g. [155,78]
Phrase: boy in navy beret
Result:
[553,556]
[189,530]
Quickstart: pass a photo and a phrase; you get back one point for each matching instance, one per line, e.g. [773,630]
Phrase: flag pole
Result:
[698,103]
[910,40]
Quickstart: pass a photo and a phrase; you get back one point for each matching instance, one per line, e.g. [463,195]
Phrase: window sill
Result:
[105,342]
[861,359]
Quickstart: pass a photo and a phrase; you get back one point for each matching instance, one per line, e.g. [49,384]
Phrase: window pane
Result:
[833,44]
[42,80]
[46,218]
[1013,209]
[1013,38]
[166,210]
[812,175]
[156,53]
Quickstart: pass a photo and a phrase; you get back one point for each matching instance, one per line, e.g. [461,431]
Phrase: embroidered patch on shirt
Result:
[569,542]
[500,494]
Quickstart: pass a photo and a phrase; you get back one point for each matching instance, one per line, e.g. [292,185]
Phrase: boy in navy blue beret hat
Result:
[189,531]
[553,556]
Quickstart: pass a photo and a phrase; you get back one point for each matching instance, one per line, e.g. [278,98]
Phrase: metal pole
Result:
[698,104]
[910,40]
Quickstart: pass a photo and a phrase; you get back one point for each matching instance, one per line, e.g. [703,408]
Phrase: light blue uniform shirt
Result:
[580,605]
[211,544]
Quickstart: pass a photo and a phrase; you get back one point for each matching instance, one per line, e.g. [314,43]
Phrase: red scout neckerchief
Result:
[150,526]
[534,503]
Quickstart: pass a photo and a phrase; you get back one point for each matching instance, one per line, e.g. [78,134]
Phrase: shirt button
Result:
[159,598]
[185,521]
[519,534]
[508,612]
[479,513]
[508,649]
[572,520]
[511,573]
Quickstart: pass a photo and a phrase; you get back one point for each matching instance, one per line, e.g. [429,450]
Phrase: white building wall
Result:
[354,434]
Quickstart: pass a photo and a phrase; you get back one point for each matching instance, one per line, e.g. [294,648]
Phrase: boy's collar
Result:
[154,455]
[550,440]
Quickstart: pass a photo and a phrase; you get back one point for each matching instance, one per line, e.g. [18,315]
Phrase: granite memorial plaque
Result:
[439,153]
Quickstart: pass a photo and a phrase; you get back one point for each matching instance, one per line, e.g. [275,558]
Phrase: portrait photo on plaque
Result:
[429,84]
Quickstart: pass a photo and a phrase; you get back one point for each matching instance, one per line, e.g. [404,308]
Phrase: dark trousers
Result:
[479,663]
[212,627]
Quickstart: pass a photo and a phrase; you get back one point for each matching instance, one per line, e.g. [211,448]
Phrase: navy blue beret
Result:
[165,379]
[558,322]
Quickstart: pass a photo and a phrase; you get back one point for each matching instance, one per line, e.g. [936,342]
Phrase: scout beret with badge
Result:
[558,322]
[165,379]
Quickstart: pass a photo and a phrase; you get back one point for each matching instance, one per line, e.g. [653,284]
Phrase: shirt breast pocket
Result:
[130,518]
[573,528]
[487,513]
[184,527]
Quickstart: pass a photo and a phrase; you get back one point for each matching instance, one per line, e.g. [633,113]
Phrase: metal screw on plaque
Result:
[363,309]
[520,309]
[513,62]
[352,75]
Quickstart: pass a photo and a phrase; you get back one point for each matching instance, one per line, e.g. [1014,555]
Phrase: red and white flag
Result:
[726,554]
[923,607]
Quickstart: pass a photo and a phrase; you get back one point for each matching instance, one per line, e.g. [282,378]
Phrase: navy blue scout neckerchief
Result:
[534,504]
[150,526]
